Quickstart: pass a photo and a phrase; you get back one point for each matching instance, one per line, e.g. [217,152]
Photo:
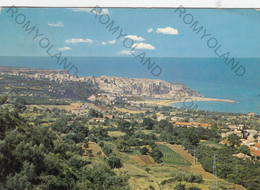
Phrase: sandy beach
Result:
[189,99]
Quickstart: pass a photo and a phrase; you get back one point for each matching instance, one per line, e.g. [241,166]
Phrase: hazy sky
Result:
[157,32]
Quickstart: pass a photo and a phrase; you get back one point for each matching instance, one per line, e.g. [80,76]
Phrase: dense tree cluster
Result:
[98,134]
[94,113]
[233,140]
[73,129]
[148,123]
[45,89]
[38,157]
[144,151]
[243,172]
[126,126]
[187,136]
[156,154]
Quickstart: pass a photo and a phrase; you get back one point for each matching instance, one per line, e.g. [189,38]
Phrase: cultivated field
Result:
[171,157]
[197,168]
[142,159]
[66,107]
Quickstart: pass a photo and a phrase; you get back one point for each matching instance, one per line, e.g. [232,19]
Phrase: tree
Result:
[85,143]
[122,145]
[93,113]
[114,162]
[144,151]
[132,141]
[147,170]
[19,104]
[126,127]
[101,144]
[107,150]
[156,154]
[23,179]
[161,125]
[233,139]
[100,176]
[187,145]
[99,133]
[253,186]
[245,150]
[80,130]
[3,99]
[148,123]
[192,136]
[38,157]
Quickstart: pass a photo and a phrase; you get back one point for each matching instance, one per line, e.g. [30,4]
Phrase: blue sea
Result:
[210,76]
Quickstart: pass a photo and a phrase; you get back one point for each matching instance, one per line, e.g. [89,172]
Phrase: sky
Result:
[155,32]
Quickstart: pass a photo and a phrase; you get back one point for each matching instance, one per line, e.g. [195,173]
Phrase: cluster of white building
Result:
[252,138]
[237,129]
[58,76]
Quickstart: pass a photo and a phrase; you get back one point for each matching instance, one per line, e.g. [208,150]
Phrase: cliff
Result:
[147,88]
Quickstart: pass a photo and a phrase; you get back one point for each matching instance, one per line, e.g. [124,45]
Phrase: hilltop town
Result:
[146,91]
[109,86]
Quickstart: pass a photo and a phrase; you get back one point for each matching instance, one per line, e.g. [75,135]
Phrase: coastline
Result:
[164,102]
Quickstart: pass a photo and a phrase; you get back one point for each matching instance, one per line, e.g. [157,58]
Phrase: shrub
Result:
[187,176]
[156,154]
[180,186]
[147,170]
[144,151]
[193,188]
[114,162]
[107,150]
[101,144]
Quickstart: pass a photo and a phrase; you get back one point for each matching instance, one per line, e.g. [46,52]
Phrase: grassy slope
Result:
[197,168]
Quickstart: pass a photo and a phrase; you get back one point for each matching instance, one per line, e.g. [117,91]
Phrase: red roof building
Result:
[109,116]
[183,123]
[194,124]
[255,152]
[257,145]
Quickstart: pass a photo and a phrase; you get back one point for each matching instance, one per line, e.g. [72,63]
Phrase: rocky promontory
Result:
[147,88]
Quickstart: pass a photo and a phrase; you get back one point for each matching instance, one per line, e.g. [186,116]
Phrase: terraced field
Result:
[197,168]
[171,157]
[142,159]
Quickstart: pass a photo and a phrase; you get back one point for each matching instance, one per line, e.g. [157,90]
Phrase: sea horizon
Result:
[210,76]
